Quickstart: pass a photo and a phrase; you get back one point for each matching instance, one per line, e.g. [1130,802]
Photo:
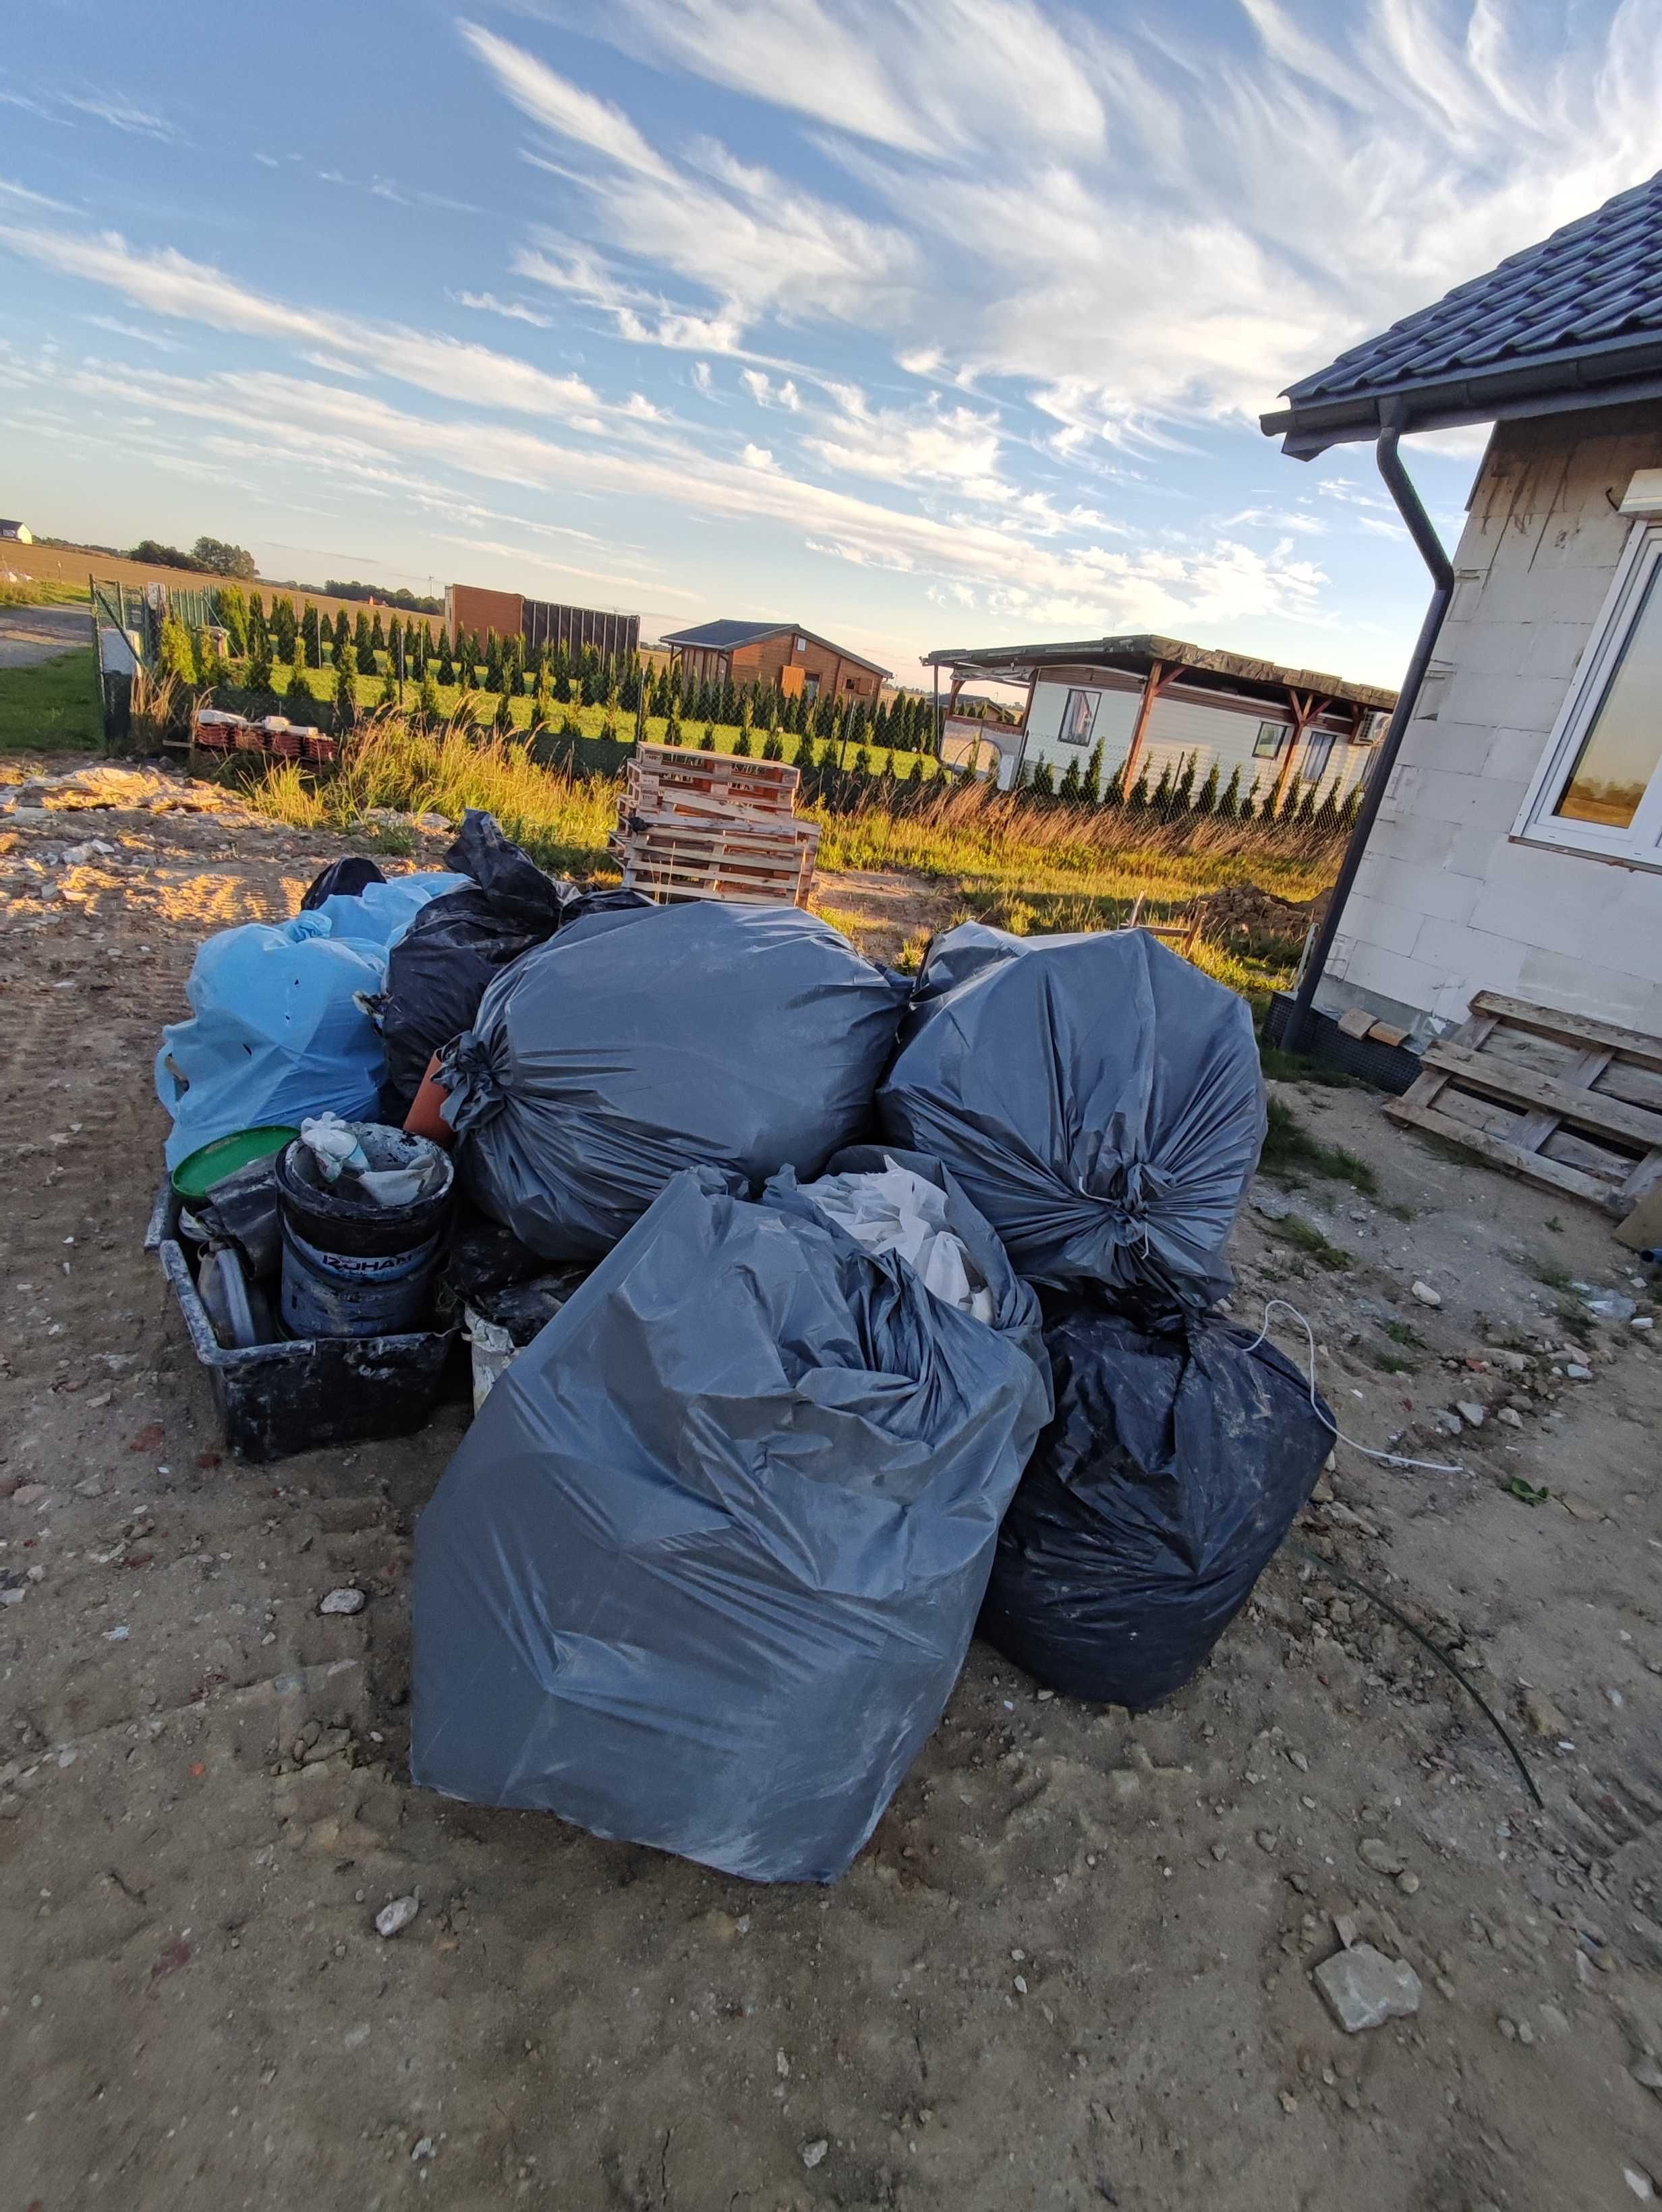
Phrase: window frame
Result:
[1270,740]
[1079,691]
[1325,741]
[1639,573]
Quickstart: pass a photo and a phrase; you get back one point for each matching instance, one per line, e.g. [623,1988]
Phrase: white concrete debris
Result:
[393,1919]
[1364,1988]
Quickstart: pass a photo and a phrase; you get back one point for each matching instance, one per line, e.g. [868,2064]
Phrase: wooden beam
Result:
[1306,706]
[1161,674]
[1507,1080]
[1582,1029]
[1534,1165]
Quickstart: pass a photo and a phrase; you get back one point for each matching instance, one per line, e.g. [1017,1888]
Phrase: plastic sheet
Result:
[1098,1097]
[705,1568]
[890,1209]
[278,1032]
[1174,1466]
[641,1042]
[382,913]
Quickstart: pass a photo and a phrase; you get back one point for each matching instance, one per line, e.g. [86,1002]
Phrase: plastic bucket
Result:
[351,1267]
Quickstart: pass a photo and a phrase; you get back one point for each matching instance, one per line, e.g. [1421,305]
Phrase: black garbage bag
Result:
[1174,1466]
[347,878]
[703,1570]
[1099,1099]
[437,974]
[638,1043]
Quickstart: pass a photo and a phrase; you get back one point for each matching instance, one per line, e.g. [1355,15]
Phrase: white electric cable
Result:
[1385,1458]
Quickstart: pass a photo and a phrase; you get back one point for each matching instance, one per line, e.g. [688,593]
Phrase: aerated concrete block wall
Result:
[1448,900]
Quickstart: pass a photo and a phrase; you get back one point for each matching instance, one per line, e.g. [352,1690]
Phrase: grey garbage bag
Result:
[437,972]
[639,1042]
[1098,1097]
[703,1570]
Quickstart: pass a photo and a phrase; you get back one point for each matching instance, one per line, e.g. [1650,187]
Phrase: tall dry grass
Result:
[1025,864]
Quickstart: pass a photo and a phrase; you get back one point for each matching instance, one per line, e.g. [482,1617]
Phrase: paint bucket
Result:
[351,1267]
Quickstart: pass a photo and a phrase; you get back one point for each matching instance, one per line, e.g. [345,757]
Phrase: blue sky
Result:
[924,322]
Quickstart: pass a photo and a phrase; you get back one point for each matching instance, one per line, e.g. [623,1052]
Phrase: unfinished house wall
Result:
[1448,899]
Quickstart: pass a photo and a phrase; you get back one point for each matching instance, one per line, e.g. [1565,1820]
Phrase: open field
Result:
[69,567]
[1073,1968]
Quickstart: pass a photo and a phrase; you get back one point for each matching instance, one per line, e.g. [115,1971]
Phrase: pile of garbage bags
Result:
[757,1234]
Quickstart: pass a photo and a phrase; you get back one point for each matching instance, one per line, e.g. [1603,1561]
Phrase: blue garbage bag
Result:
[277,1032]
[703,1571]
[382,913]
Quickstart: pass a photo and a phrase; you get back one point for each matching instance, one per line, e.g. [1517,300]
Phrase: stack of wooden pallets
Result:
[709,825]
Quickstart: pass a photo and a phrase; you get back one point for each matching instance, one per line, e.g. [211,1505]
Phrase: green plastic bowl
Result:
[196,1176]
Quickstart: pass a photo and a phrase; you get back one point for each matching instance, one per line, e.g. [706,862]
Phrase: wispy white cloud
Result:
[116,328]
[120,113]
[515,311]
[21,196]
[563,107]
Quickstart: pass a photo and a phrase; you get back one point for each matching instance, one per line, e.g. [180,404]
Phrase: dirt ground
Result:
[1072,1970]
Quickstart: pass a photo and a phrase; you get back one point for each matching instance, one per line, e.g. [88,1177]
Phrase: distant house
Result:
[1512,842]
[16,533]
[783,654]
[1154,704]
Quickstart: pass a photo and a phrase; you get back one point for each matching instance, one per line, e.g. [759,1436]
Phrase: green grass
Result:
[1280,1066]
[52,706]
[1392,1363]
[1290,1151]
[1305,1237]
[44,593]
[1404,1332]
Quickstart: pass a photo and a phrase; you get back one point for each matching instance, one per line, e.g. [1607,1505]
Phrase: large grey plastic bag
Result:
[1098,1097]
[705,1568]
[637,1043]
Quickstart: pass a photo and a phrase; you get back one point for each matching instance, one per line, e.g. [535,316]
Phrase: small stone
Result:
[1364,1988]
[1344,1927]
[393,1919]
[1425,1294]
[1648,2074]
[1508,2027]
[1266,1839]
[29,1494]
[813,2152]
[92,1487]
[1471,1413]
[343,1601]
[1640,2182]
[1526,2033]
[1554,2019]
[1511,1416]
[1220,1852]
[1577,1372]
[1271,1204]
[425,2147]
[1408,1883]
[1383,1857]
[1578,1507]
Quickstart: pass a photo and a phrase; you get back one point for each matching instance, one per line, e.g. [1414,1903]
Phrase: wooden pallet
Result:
[745,858]
[1567,1101]
[657,771]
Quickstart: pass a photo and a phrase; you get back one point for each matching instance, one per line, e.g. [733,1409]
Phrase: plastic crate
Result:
[302,1394]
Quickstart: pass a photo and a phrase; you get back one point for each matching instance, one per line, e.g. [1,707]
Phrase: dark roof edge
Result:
[770,629]
[1199,660]
[1447,404]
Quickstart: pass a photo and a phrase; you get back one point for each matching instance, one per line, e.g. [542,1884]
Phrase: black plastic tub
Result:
[305,1393]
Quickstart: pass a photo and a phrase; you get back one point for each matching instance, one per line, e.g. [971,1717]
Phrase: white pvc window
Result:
[1599,788]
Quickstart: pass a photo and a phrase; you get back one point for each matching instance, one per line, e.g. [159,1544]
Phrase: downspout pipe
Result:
[1398,483]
